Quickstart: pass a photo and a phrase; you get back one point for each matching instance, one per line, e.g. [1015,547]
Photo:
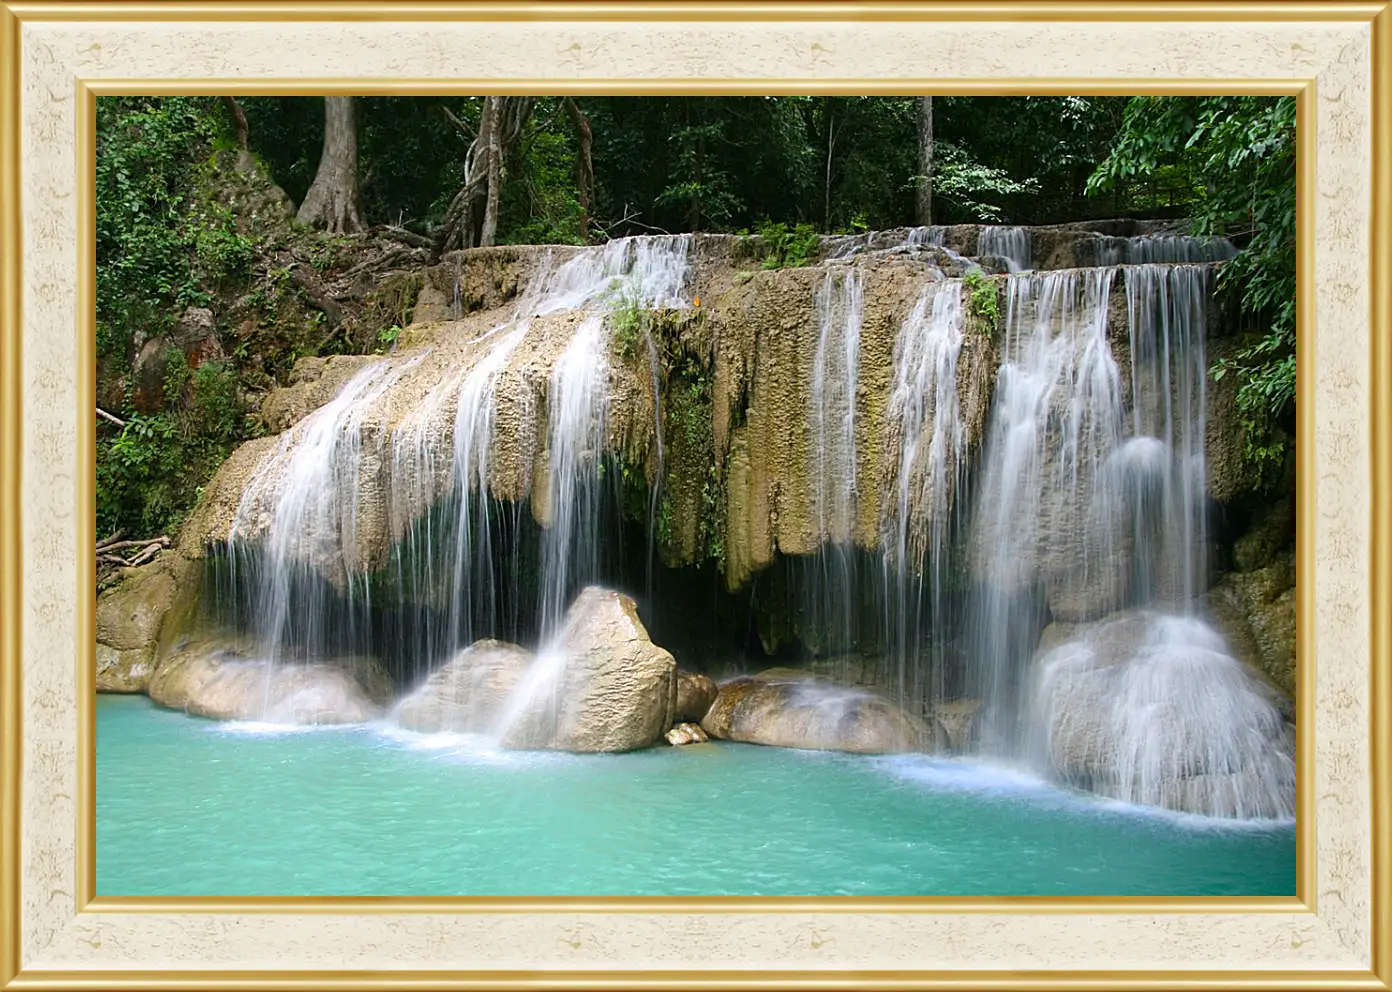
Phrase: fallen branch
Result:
[108,541]
[160,541]
[146,555]
[403,235]
[115,420]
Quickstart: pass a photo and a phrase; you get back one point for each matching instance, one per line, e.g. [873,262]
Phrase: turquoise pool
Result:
[188,807]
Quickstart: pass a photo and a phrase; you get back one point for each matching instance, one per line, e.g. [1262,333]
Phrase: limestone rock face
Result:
[788,708]
[129,615]
[124,671]
[1154,709]
[134,615]
[468,693]
[1256,612]
[213,681]
[604,686]
[695,693]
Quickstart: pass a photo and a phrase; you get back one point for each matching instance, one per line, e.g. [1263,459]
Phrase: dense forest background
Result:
[224,225]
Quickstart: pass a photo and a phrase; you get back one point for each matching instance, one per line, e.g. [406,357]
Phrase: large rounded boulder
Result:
[787,708]
[602,685]
[221,683]
[468,693]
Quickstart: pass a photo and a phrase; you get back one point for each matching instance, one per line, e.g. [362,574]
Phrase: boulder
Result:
[602,686]
[223,683]
[124,671]
[468,693]
[129,614]
[686,733]
[957,724]
[695,693]
[1154,709]
[788,708]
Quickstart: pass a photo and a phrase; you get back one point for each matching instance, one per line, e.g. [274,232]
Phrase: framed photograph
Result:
[670,495]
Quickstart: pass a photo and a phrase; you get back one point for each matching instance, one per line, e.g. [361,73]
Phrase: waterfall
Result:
[1155,248]
[925,422]
[1161,469]
[303,504]
[931,236]
[1057,414]
[1009,243]
[835,373]
[832,425]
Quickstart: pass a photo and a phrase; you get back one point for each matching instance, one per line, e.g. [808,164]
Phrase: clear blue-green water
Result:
[192,807]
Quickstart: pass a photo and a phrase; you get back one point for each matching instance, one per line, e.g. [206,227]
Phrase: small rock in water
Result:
[686,733]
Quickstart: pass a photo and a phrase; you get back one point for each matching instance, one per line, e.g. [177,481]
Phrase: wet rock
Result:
[604,686]
[695,693]
[223,683]
[468,693]
[686,733]
[958,722]
[788,708]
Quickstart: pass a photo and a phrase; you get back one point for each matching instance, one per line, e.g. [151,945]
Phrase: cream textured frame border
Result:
[57,56]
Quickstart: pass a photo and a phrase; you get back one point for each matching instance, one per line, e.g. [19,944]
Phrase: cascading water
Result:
[1057,414]
[1149,249]
[300,511]
[302,505]
[1088,508]
[832,424]
[925,419]
[1009,243]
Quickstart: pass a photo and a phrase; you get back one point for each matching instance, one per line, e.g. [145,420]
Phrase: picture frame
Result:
[1336,59]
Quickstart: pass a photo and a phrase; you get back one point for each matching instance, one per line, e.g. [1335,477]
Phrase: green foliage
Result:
[629,322]
[982,301]
[1242,151]
[540,199]
[150,474]
[978,191]
[787,249]
[158,248]
[387,337]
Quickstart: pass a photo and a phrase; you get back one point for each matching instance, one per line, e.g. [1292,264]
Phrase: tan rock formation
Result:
[789,708]
[469,692]
[604,685]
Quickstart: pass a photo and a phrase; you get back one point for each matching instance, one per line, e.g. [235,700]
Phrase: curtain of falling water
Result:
[924,416]
[1057,413]
[832,422]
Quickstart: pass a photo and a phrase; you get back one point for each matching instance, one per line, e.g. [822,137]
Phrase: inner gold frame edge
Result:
[86,899]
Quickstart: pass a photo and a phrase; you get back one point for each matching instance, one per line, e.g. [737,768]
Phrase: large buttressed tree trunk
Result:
[925,160]
[332,200]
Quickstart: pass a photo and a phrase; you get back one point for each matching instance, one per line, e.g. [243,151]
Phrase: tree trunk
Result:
[489,134]
[925,161]
[584,166]
[831,145]
[239,121]
[332,200]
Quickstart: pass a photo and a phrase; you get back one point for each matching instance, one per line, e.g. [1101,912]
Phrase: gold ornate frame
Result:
[1336,59]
